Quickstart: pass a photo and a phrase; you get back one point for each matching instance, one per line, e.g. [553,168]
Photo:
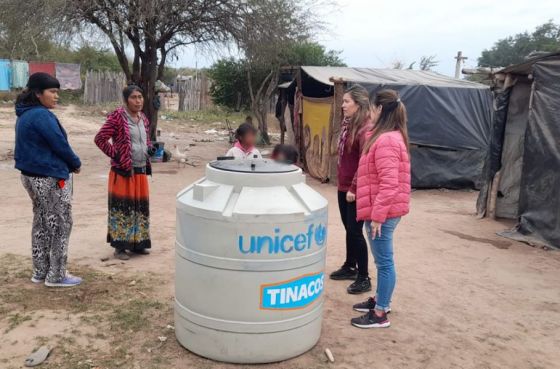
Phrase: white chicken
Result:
[181,157]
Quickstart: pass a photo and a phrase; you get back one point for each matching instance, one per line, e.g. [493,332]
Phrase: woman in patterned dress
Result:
[125,139]
[46,162]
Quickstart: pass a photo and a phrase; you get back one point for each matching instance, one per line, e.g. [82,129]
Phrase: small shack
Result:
[522,171]
[449,121]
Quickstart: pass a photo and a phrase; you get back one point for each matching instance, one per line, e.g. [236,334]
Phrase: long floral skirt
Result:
[129,212]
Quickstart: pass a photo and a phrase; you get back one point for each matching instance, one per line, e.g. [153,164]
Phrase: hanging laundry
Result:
[20,73]
[48,67]
[5,75]
[69,76]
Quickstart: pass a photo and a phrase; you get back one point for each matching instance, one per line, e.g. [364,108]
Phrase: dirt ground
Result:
[465,297]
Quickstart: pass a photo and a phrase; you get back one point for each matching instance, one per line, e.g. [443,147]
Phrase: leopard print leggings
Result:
[52,224]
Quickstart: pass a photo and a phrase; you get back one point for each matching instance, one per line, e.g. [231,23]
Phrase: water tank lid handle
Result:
[253,166]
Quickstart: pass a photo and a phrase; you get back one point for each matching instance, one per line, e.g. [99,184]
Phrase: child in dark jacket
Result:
[286,154]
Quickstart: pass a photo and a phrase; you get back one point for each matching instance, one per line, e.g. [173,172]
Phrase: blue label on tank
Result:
[284,243]
[292,294]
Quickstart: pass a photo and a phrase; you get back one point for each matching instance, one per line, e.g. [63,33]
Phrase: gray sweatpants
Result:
[52,224]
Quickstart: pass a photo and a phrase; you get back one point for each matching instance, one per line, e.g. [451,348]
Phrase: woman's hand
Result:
[77,170]
[350,196]
[375,229]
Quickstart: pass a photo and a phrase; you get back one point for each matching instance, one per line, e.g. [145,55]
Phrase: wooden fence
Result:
[103,87]
[194,94]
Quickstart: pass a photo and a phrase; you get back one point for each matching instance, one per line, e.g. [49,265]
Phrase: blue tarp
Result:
[5,74]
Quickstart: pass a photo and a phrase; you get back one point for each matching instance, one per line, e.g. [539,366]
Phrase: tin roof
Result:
[325,75]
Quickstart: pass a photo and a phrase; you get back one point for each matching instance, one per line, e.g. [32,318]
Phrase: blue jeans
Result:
[382,250]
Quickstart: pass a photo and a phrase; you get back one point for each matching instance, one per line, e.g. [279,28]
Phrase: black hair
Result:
[243,130]
[289,152]
[28,97]
[36,84]
[128,90]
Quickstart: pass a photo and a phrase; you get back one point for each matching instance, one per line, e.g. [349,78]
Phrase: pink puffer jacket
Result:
[384,180]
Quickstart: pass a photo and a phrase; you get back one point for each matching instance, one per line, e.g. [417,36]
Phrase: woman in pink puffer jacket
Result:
[383,197]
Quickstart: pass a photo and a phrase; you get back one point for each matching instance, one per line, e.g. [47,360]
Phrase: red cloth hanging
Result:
[45,67]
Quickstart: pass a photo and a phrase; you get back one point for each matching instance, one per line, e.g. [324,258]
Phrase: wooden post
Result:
[493,197]
[460,59]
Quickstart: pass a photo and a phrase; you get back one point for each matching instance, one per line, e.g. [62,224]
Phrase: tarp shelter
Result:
[5,75]
[69,76]
[45,67]
[20,73]
[522,172]
[449,121]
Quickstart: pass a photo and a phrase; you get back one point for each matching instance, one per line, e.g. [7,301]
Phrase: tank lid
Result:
[253,166]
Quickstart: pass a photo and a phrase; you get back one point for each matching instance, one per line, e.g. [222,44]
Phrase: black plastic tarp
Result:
[525,146]
[449,129]
[539,200]
[507,200]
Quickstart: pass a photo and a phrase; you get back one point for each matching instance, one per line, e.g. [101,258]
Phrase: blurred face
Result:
[48,98]
[249,140]
[349,106]
[135,102]
[375,113]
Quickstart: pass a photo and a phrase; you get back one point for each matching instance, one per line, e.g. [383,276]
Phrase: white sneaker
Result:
[68,281]
[37,280]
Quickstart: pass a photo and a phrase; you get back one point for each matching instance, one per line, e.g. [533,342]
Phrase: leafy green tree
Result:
[313,54]
[229,76]
[229,84]
[95,59]
[514,49]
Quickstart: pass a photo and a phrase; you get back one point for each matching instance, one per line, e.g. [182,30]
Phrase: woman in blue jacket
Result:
[46,161]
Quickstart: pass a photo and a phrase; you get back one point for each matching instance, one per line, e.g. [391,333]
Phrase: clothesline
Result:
[14,73]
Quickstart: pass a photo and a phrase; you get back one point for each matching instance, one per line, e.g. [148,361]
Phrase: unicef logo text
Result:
[284,243]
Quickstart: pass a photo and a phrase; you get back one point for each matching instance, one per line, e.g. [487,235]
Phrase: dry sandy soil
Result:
[465,298]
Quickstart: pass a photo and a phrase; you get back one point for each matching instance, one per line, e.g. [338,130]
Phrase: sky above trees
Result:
[375,33]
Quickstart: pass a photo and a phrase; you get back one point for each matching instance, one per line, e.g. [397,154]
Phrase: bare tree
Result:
[428,62]
[153,29]
[270,31]
[23,35]
[397,64]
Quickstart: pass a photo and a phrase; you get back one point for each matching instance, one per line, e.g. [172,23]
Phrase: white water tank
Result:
[250,258]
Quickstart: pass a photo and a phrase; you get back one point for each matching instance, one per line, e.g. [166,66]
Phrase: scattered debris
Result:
[8,155]
[38,357]
[132,283]
[162,338]
[170,327]
[329,355]
[211,132]
[105,258]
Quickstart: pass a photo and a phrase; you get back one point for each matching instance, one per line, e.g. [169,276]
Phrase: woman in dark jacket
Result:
[46,161]
[355,124]
[125,139]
